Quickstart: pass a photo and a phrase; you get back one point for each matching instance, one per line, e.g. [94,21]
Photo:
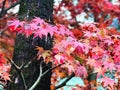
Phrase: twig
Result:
[38,79]
[2,11]
[51,69]
[14,65]
[64,83]
[57,66]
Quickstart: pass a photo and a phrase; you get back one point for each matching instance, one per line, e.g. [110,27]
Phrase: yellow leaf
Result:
[46,53]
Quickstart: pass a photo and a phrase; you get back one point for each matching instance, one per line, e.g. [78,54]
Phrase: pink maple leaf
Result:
[81,71]
[100,71]
[34,26]
[88,34]
[5,76]
[92,62]
[38,20]
[108,82]
[61,29]
[44,29]
[60,58]
[16,23]
[109,65]
[109,41]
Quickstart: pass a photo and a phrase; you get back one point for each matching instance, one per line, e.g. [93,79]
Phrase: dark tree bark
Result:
[24,51]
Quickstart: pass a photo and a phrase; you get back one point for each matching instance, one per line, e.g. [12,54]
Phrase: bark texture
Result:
[24,51]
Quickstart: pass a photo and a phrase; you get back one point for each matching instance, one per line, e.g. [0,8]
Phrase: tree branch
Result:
[41,75]
[14,65]
[18,69]
[38,79]
[51,69]
[64,83]
[2,11]
[13,5]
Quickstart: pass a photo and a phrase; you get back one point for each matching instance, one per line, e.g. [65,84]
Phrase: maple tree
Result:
[87,49]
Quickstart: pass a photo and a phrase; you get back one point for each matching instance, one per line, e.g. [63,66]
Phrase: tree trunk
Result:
[24,51]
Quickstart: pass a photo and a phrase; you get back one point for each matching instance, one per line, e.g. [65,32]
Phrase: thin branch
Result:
[14,65]
[57,66]
[18,69]
[2,11]
[51,69]
[41,75]
[23,80]
[38,79]
[5,10]
[13,5]
[64,83]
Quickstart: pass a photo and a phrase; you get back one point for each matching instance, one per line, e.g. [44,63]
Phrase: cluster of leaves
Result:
[6,36]
[88,49]
[6,42]
[102,11]
[4,70]
[6,39]
[96,51]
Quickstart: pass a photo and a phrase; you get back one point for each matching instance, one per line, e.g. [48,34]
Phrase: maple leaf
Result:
[92,62]
[41,32]
[6,76]
[44,30]
[27,33]
[107,81]
[109,41]
[40,51]
[88,34]
[16,23]
[100,71]
[60,58]
[61,29]
[26,30]
[50,29]
[34,26]
[38,20]
[81,71]
[108,5]
[55,51]
[109,65]
[46,53]
[77,33]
